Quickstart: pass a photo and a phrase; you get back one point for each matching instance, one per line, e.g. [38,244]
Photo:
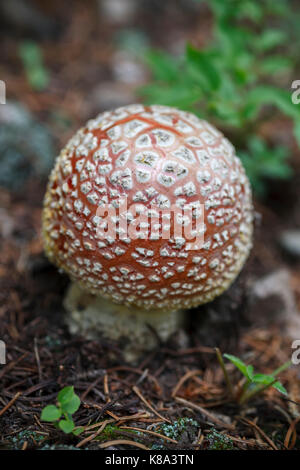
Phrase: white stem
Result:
[95,317]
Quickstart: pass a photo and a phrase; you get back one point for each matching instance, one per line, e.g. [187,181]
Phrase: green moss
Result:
[111,432]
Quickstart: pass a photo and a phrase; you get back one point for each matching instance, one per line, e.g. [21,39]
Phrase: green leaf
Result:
[32,58]
[262,162]
[250,371]
[38,78]
[275,64]
[239,364]
[268,95]
[30,53]
[175,95]
[72,405]
[269,39]
[280,8]
[265,379]
[66,426]
[50,413]
[78,431]
[297,130]
[163,66]
[226,111]
[251,10]
[278,386]
[65,395]
[203,63]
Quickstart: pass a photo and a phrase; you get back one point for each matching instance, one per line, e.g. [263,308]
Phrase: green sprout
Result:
[61,413]
[254,383]
[32,58]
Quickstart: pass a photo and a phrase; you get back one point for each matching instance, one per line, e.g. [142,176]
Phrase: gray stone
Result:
[290,241]
[128,69]
[7,223]
[26,146]
[118,11]
[272,301]
[110,95]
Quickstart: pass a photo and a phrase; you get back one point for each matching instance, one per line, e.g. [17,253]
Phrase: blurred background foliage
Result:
[238,80]
[231,62]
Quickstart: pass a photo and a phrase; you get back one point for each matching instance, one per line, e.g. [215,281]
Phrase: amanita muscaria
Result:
[158,158]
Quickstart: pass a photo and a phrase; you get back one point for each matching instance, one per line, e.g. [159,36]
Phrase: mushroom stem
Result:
[140,330]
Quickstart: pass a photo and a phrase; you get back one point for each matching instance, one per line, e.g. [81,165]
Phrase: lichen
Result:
[31,437]
[217,441]
[59,447]
[176,429]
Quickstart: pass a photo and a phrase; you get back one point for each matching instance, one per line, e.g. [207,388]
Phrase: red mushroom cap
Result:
[155,156]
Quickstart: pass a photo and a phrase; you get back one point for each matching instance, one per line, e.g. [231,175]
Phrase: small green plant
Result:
[235,81]
[271,162]
[254,383]
[32,58]
[61,413]
[218,441]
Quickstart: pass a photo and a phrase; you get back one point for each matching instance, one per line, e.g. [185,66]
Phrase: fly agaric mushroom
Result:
[155,156]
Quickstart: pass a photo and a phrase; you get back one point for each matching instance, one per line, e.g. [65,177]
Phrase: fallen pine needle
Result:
[261,432]
[123,442]
[95,434]
[9,404]
[291,431]
[183,379]
[110,413]
[153,433]
[97,425]
[206,413]
[25,445]
[139,394]
[130,417]
[106,387]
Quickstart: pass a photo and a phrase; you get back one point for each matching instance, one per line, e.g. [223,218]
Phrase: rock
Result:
[272,301]
[110,95]
[127,69]
[14,114]
[6,224]
[118,11]
[289,241]
[26,147]
[25,16]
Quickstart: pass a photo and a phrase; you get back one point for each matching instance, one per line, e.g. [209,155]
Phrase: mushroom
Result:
[119,199]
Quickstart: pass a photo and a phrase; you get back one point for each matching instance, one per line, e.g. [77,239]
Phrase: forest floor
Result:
[175,397]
